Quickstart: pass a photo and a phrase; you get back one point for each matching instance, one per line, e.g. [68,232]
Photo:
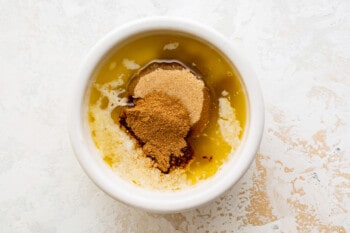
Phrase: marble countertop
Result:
[300,180]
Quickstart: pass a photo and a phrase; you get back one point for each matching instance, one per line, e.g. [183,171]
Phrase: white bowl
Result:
[164,201]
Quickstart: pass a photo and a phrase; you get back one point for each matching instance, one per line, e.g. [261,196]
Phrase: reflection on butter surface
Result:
[211,148]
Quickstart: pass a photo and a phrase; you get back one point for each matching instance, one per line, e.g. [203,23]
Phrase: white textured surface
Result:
[300,181]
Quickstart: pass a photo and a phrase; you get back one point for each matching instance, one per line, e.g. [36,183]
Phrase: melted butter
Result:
[210,149]
[108,160]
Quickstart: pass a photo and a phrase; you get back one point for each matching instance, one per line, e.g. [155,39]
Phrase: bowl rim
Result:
[157,201]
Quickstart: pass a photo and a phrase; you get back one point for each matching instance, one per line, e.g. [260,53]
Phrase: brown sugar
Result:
[171,104]
[175,80]
[160,122]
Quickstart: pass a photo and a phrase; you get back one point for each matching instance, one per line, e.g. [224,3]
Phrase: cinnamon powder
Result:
[160,123]
[175,79]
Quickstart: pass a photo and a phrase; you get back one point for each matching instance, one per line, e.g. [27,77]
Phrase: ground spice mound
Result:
[174,79]
[160,123]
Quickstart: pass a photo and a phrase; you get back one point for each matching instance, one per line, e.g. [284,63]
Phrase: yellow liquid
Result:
[210,150]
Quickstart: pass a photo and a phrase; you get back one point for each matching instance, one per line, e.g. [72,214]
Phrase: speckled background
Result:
[300,180]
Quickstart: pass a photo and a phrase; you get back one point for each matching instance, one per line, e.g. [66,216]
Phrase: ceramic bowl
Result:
[164,201]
